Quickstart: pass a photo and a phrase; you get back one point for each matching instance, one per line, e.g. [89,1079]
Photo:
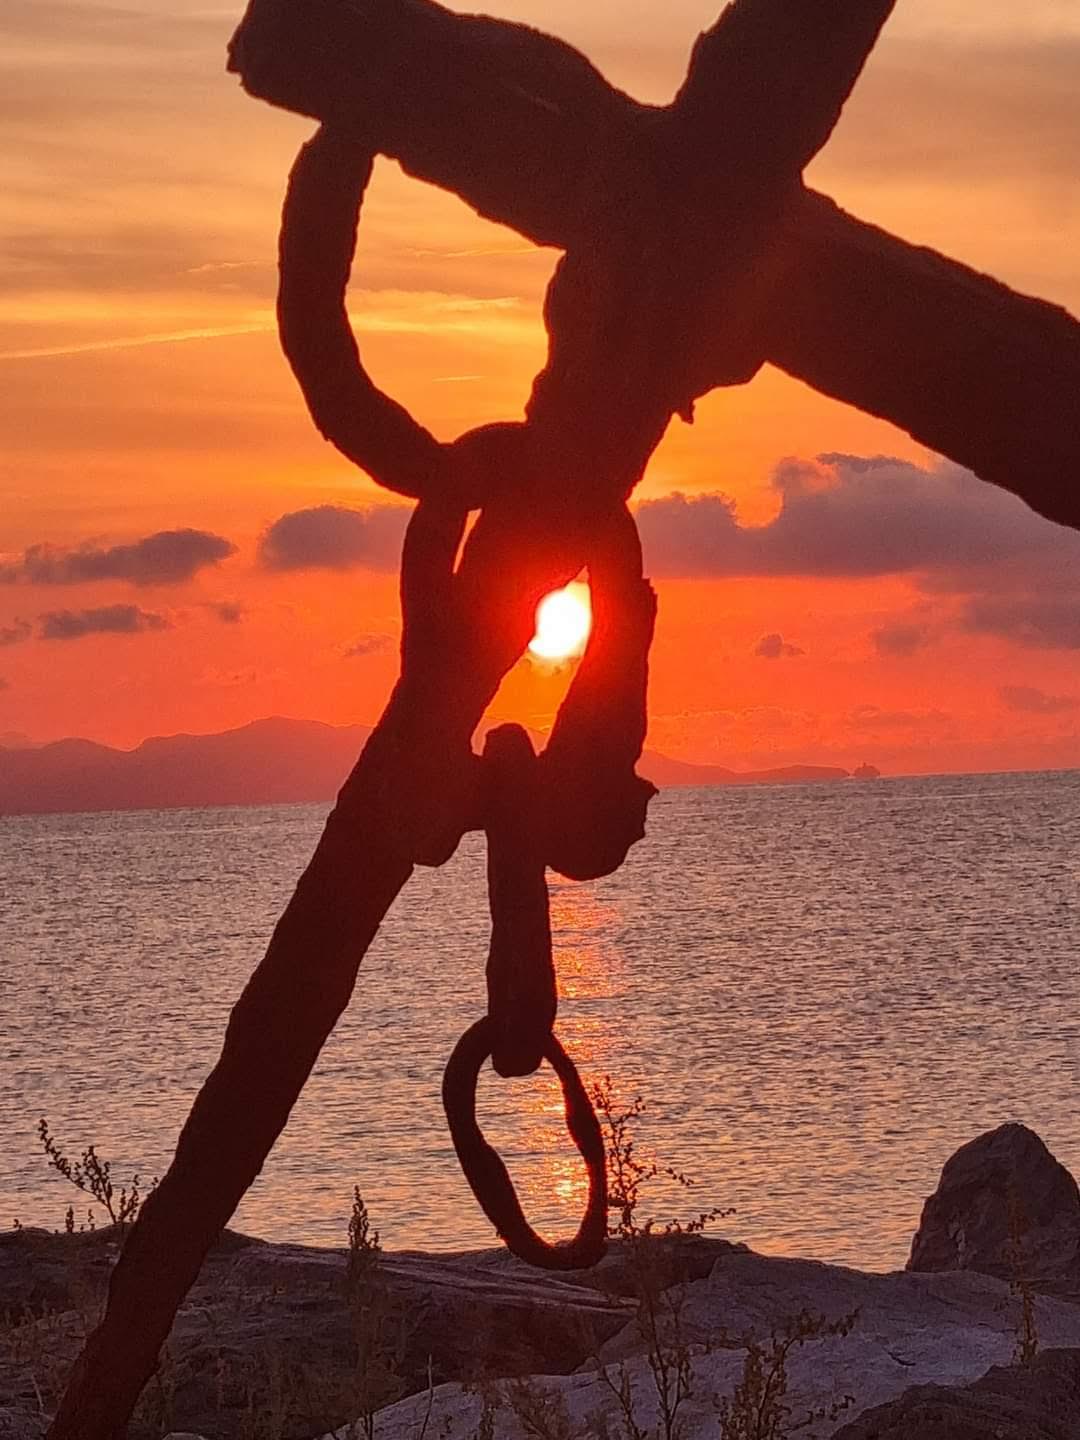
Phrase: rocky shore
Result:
[978,1337]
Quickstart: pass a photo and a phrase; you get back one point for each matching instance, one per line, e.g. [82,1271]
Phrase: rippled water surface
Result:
[820,992]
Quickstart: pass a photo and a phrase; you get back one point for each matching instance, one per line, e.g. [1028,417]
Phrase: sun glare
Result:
[563,622]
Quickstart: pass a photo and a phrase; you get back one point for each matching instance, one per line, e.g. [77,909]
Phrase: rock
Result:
[42,1270]
[674,1260]
[1004,1206]
[910,1329]
[1040,1401]
[271,1325]
[18,1424]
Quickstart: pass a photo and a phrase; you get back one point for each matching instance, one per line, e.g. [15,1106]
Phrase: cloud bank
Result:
[1013,573]
[847,517]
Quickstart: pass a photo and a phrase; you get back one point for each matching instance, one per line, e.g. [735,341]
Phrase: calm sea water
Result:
[820,992]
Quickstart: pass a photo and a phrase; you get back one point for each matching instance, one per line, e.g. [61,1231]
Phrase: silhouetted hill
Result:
[266,762]
[666,773]
[272,761]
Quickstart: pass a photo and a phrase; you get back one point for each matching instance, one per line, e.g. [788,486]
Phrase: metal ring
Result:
[487,1175]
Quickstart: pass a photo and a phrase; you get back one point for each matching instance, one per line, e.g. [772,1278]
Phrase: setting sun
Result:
[563,622]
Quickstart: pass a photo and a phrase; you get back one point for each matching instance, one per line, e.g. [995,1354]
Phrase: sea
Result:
[818,993]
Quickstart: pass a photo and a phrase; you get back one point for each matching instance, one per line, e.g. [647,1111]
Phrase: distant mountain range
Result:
[273,761]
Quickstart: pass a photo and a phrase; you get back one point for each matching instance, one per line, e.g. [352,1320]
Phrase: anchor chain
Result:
[517,1031]
[577,807]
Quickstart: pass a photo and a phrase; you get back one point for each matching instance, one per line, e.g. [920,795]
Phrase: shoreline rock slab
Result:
[1040,1401]
[910,1330]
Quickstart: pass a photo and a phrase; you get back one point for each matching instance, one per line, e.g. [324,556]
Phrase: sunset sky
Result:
[818,602]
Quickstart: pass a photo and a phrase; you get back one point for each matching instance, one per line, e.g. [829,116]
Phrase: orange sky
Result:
[142,390]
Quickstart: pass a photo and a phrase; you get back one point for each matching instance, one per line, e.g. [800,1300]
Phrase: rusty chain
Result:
[576,807]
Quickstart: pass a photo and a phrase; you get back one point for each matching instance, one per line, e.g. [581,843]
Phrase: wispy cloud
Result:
[15,634]
[132,342]
[214,267]
[368,645]
[1033,701]
[229,612]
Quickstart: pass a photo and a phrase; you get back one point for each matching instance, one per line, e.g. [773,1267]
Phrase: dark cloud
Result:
[108,620]
[688,536]
[229,612]
[1036,621]
[332,537]
[369,645]
[165,558]
[1035,702]
[775,647]
[14,634]
[845,516]
[4,684]
[900,640]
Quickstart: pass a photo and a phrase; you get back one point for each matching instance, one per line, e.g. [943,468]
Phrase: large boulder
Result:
[1040,1401]
[1004,1206]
